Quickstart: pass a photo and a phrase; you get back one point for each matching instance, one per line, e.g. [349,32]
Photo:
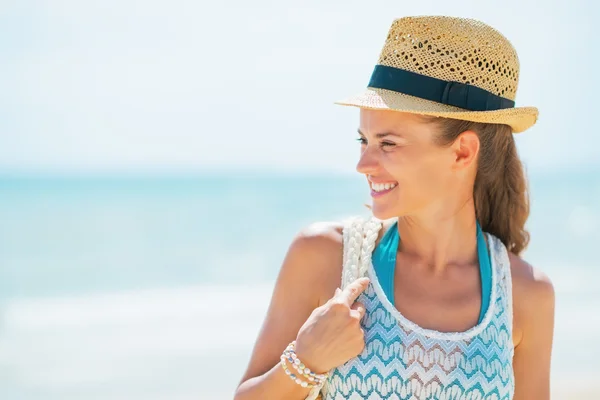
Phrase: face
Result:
[407,171]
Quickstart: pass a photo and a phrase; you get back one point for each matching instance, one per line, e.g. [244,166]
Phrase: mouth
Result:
[380,189]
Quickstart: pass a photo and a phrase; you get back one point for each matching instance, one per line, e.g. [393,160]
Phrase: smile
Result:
[380,189]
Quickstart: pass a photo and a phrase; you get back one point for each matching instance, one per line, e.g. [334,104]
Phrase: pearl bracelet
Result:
[294,377]
[313,379]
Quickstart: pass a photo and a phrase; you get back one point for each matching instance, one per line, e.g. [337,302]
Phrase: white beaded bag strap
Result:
[359,238]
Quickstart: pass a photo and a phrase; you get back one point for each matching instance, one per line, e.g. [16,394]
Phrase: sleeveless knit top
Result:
[402,360]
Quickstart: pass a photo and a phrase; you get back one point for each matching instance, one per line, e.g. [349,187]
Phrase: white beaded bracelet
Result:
[294,377]
[290,356]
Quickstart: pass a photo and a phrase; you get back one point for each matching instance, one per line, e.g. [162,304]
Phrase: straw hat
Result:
[448,67]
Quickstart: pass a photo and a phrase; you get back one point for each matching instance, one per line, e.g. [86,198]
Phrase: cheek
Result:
[420,177]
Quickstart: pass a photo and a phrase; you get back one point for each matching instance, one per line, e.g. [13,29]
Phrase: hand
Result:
[332,334]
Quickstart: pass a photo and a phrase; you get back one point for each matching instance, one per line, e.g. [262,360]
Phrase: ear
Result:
[466,149]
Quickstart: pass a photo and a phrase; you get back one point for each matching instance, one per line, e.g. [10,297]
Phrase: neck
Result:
[441,239]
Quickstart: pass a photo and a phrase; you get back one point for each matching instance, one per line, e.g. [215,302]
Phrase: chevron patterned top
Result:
[402,360]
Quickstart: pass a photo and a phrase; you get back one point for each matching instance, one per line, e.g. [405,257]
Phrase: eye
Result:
[363,142]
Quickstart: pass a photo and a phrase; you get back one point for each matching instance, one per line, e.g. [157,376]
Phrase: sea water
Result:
[155,287]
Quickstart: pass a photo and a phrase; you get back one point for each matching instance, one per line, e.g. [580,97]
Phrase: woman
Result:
[431,307]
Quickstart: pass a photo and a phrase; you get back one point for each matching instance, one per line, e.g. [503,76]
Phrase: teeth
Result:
[379,187]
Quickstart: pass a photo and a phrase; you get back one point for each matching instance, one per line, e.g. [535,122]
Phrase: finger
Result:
[358,310]
[353,290]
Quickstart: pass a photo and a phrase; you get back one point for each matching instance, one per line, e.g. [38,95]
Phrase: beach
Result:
[187,343]
[149,289]
[157,159]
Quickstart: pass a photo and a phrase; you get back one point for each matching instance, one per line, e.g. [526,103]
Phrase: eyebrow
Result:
[381,135]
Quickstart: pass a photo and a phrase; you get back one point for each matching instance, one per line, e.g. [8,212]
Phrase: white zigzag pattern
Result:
[389,357]
[394,388]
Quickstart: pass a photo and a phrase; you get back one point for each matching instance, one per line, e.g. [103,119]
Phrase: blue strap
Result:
[485,271]
[384,260]
[384,264]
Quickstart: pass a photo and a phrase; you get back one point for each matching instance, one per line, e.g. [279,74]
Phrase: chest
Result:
[450,302]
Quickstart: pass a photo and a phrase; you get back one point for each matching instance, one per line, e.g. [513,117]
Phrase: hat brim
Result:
[518,118]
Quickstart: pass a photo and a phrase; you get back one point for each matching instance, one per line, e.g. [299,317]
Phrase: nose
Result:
[368,163]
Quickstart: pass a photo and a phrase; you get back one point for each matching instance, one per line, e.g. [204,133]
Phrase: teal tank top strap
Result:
[485,271]
[384,264]
[384,260]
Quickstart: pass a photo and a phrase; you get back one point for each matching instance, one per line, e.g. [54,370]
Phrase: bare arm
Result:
[534,303]
[311,269]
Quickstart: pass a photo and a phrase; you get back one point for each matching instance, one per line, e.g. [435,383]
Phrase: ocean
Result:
[154,287]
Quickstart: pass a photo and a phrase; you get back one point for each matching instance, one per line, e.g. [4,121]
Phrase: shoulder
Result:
[317,244]
[320,233]
[531,280]
[316,255]
[533,329]
[533,295]
[313,262]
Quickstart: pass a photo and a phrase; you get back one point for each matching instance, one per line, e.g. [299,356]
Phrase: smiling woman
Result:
[414,159]
[428,298]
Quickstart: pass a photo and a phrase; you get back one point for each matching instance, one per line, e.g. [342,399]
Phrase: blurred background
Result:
[157,158]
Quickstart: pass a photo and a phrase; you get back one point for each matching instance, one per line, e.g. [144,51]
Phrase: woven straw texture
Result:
[453,49]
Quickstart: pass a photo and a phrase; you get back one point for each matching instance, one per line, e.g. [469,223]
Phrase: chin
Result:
[382,212]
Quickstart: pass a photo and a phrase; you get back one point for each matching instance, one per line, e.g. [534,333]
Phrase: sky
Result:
[129,85]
